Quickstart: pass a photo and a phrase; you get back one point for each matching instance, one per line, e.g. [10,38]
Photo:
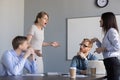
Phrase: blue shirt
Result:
[111,42]
[80,63]
[2,70]
[15,64]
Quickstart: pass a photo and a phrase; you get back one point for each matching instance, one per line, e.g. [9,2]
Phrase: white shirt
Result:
[37,37]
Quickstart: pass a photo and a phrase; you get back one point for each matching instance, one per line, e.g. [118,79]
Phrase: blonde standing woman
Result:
[36,38]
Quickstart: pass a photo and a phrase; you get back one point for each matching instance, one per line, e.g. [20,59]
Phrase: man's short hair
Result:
[17,41]
[88,40]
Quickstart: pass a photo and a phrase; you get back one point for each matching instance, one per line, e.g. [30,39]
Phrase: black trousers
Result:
[112,66]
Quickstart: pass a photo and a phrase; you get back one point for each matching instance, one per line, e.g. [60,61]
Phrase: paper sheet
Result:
[53,73]
[76,75]
[33,75]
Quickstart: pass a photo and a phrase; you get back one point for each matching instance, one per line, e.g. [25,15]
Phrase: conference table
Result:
[51,77]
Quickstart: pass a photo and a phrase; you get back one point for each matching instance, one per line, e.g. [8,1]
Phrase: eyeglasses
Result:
[83,45]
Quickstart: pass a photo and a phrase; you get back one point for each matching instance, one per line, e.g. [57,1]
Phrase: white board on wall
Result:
[80,28]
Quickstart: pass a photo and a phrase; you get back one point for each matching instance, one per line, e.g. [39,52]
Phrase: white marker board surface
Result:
[80,28]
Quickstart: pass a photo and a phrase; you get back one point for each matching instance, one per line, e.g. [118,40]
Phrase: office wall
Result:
[59,11]
[11,22]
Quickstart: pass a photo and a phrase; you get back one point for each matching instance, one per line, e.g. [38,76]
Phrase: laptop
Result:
[99,65]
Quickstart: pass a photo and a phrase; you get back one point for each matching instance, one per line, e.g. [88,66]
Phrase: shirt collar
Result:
[15,54]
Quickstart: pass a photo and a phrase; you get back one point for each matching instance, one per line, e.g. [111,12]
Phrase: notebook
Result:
[99,65]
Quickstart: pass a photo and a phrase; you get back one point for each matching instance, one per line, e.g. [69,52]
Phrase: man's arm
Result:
[30,64]
[74,63]
[10,63]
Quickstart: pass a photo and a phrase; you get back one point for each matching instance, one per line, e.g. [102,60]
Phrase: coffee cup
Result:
[93,71]
[72,72]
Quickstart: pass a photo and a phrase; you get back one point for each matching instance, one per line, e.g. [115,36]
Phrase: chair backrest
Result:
[99,65]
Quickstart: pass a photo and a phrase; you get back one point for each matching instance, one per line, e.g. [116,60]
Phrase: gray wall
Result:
[59,11]
[11,22]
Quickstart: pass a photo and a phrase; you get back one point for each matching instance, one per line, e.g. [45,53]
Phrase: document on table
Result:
[81,76]
[34,74]
[53,73]
[76,76]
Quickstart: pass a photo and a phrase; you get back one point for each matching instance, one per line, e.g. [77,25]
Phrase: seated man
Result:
[20,57]
[80,61]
